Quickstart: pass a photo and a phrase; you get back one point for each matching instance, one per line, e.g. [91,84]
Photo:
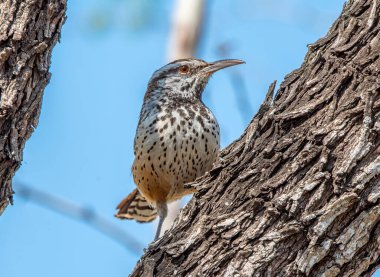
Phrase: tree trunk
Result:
[298,193]
[28,32]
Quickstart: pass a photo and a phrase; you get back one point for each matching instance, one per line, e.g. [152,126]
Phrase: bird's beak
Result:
[215,66]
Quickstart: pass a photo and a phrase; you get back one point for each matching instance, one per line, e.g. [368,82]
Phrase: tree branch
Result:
[83,214]
[28,32]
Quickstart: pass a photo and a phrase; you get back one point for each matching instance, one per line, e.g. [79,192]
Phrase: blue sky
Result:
[82,149]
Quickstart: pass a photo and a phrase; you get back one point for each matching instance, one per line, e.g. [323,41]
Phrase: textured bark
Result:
[28,32]
[298,193]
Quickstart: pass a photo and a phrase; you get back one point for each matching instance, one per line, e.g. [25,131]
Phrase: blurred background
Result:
[76,165]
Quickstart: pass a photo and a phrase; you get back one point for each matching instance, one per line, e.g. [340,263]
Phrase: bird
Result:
[177,138]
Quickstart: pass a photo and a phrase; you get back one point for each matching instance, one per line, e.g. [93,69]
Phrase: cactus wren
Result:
[177,138]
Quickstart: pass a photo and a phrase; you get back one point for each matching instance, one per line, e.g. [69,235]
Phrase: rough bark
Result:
[298,193]
[28,32]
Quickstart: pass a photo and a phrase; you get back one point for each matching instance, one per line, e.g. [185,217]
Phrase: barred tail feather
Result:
[135,206]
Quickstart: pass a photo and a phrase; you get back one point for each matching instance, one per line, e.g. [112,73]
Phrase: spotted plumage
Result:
[177,138]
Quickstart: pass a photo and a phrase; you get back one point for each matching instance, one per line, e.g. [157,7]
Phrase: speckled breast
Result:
[173,146]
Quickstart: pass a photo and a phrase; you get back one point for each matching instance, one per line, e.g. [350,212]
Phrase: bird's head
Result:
[184,79]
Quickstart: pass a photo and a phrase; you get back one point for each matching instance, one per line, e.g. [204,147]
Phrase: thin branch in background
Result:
[241,96]
[238,83]
[83,214]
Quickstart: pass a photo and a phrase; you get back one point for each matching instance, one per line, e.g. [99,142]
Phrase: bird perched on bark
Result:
[177,138]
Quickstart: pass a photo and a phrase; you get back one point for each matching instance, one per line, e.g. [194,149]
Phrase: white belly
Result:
[176,149]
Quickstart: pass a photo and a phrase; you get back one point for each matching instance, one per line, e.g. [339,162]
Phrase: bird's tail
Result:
[135,206]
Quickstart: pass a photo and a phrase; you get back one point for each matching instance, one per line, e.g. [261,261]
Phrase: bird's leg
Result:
[162,210]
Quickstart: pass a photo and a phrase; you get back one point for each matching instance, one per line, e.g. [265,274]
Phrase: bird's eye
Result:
[184,69]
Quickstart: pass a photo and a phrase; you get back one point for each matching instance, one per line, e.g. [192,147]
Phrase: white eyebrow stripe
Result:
[175,64]
[162,69]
